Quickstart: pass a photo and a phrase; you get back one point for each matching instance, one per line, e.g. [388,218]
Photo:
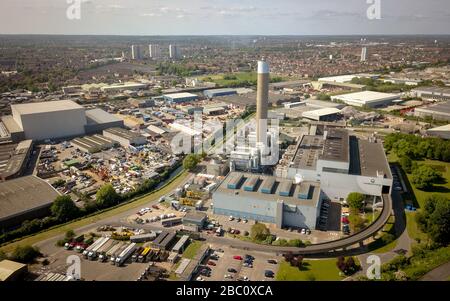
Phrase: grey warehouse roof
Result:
[100,116]
[24,194]
[44,107]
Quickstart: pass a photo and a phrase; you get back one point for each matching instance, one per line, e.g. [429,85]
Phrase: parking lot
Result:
[227,268]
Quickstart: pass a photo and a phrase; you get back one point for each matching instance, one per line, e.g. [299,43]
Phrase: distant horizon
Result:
[225,17]
[228,35]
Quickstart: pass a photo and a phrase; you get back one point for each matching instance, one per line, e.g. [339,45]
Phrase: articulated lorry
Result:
[93,253]
[105,248]
[125,254]
[110,252]
[94,245]
[144,254]
[117,253]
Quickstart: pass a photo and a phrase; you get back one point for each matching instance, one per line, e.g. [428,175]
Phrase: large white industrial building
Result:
[52,119]
[366,99]
[56,119]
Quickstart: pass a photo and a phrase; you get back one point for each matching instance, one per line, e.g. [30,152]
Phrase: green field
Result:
[378,245]
[192,249]
[320,270]
[61,229]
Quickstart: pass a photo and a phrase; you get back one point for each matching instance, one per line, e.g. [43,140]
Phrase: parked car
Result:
[272,261]
[269,273]
[212,263]
[232,270]
[237,257]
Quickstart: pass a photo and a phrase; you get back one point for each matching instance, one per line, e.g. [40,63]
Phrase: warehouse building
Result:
[11,130]
[55,119]
[433,93]
[440,131]
[99,120]
[269,199]
[123,87]
[438,111]
[93,144]
[188,268]
[125,137]
[369,99]
[180,97]
[181,244]
[51,119]
[14,159]
[215,109]
[11,270]
[341,162]
[164,240]
[325,114]
[219,92]
[24,198]
[195,218]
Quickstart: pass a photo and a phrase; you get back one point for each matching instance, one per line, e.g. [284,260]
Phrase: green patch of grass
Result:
[192,249]
[320,270]
[379,245]
[413,229]
[420,265]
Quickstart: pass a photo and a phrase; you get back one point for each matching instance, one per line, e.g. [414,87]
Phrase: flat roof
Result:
[123,133]
[372,159]
[336,146]
[322,112]
[47,106]
[279,184]
[442,108]
[440,90]
[100,116]
[17,158]
[365,97]
[180,95]
[11,125]
[8,268]
[307,152]
[24,194]
[195,215]
[445,128]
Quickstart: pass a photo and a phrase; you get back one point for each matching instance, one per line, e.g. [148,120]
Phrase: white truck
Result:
[108,245]
[125,254]
[93,253]
[91,247]
[117,253]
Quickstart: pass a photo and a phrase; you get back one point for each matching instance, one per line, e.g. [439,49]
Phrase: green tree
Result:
[423,177]
[355,200]
[259,232]
[191,161]
[406,163]
[64,209]
[3,255]
[434,218]
[106,196]
[25,254]
[70,234]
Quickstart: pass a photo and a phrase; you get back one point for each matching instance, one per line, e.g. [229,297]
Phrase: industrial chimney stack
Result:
[262,101]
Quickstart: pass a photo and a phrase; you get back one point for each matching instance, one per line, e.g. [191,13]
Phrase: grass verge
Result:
[312,270]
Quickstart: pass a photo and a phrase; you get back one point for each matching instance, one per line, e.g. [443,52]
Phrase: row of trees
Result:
[418,148]
[23,254]
[355,201]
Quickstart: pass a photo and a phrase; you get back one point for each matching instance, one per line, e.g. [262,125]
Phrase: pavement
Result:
[441,273]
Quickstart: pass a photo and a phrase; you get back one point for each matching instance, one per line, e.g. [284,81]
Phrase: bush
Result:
[387,238]
[434,219]
[259,232]
[191,161]
[106,197]
[64,209]
[355,200]
[25,254]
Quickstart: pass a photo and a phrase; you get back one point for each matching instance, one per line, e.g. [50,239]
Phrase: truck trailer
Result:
[125,254]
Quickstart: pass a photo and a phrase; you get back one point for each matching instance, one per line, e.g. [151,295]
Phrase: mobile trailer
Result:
[91,247]
[117,253]
[93,253]
[125,254]
[144,254]
[105,249]
[136,254]
[111,251]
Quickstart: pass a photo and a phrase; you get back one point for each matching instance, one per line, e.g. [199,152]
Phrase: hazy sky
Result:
[205,17]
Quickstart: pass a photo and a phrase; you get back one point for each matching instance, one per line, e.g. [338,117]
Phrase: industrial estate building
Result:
[55,119]
[268,199]
[124,137]
[14,159]
[432,93]
[25,198]
[369,99]
[93,144]
[341,162]
[219,92]
[440,131]
[180,97]
[438,111]
[325,114]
